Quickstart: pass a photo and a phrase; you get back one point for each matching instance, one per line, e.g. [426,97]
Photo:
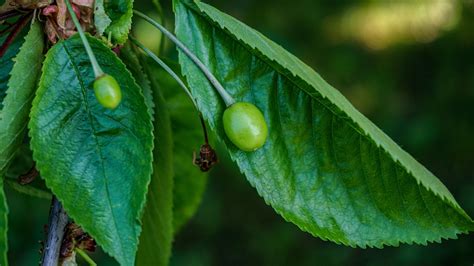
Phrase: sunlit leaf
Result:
[101,19]
[120,13]
[97,161]
[14,115]
[325,166]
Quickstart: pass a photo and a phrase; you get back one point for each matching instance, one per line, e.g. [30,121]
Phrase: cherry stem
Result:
[203,124]
[212,79]
[175,77]
[95,65]
[165,67]
[16,29]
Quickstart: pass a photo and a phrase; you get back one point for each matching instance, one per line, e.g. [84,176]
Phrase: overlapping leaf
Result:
[14,115]
[325,167]
[101,19]
[6,61]
[19,95]
[189,181]
[120,13]
[96,161]
[157,220]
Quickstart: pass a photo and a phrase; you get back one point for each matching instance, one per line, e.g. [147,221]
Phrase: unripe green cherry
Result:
[245,126]
[107,91]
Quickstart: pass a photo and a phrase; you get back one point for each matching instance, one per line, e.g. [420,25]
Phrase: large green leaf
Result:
[96,161]
[189,181]
[120,13]
[325,167]
[20,93]
[14,115]
[6,61]
[157,233]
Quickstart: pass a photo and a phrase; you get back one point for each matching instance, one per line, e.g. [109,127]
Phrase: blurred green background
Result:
[407,65]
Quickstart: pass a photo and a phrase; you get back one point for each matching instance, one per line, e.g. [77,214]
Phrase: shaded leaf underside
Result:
[157,221]
[325,167]
[189,181]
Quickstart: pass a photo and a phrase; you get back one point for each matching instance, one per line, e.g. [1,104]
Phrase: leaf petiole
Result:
[84,255]
[212,79]
[95,65]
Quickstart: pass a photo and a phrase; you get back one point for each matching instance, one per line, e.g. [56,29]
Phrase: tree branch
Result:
[58,220]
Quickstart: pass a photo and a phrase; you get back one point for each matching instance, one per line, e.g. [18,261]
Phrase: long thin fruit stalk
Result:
[175,77]
[95,65]
[165,67]
[217,85]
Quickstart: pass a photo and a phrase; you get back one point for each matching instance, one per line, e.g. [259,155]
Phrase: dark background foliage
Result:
[416,83]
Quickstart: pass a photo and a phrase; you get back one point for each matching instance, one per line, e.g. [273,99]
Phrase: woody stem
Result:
[58,220]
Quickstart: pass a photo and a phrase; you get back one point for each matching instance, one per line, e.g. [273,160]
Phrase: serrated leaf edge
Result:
[254,50]
[39,164]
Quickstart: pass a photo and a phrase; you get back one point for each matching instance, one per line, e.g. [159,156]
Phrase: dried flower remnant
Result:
[207,158]
[24,4]
[74,238]
[59,24]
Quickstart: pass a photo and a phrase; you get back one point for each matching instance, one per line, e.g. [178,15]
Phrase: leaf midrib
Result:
[89,115]
[314,95]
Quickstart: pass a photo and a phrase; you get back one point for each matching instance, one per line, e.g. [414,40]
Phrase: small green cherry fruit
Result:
[245,126]
[107,91]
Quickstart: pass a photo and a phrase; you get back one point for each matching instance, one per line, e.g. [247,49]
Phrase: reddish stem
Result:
[9,14]
[203,124]
[7,29]
[18,27]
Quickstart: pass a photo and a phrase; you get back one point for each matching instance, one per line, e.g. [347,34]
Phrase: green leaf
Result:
[3,226]
[120,13]
[157,235]
[325,167]
[6,61]
[20,93]
[158,217]
[29,190]
[14,115]
[101,19]
[189,181]
[96,161]
[20,165]
[131,60]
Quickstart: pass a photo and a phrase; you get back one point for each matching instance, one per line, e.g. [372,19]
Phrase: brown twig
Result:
[29,177]
[18,27]
[58,221]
